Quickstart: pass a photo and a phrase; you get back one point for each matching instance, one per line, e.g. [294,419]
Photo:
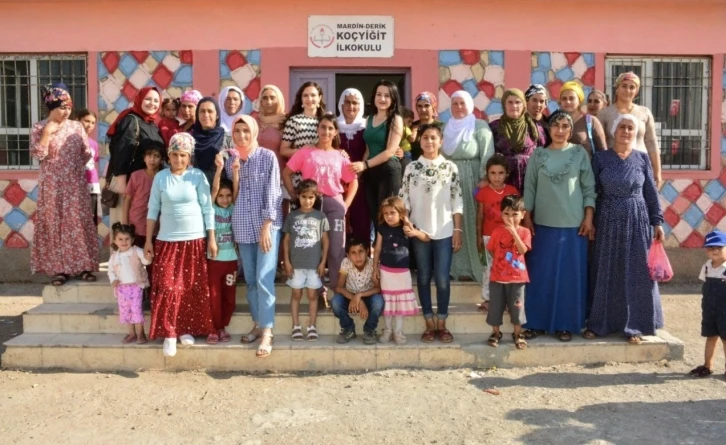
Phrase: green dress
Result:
[471,158]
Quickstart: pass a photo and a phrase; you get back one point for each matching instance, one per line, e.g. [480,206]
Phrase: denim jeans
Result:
[433,260]
[260,268]
[374,303]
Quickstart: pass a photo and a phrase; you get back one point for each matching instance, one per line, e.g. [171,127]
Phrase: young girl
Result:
[392,266]
[128,277]
[489,216]
[88,120]
[222,269]
[169,108]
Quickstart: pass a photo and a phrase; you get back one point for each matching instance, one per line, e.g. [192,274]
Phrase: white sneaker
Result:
[170,347]
[187,340]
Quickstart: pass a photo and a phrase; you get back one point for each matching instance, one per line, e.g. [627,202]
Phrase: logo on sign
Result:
[321,36]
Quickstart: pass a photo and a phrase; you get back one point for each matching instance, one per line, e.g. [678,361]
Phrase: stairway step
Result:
[104,352]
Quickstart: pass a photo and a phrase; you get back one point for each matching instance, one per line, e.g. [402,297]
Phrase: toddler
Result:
[407,136]
[169,108]
[87,118]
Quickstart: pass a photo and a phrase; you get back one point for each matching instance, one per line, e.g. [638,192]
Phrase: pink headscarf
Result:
[192,96]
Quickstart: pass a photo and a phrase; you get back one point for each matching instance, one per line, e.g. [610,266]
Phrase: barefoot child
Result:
[713,321]
[128,277]
[489,215]
[222,269]
[305,248]
[87,118]
[507,245]
[391,267]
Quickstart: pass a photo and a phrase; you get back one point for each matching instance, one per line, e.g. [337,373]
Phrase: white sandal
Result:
[312,334]
[265,351]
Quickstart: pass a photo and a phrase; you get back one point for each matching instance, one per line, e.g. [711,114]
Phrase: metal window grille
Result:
[21,77]
[678,92]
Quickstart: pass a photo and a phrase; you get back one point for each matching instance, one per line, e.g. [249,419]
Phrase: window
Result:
[21,77]
[677,90]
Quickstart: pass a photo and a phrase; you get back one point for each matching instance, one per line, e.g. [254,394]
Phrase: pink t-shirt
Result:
[326,167]
[91,171]
[139,188]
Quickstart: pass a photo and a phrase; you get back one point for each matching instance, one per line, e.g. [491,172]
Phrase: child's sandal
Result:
[519,341]
[130,338]
[297,334]
[700,371]
[141,339]
[312,334]
[494,339]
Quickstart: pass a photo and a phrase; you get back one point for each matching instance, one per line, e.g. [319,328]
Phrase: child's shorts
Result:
[502,295]
[305,279]
[713,321]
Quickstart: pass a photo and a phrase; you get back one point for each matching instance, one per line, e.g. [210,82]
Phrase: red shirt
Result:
[508,265]
[492,200]
[138,189]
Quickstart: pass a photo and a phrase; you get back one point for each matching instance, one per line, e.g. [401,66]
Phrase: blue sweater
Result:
[185,205]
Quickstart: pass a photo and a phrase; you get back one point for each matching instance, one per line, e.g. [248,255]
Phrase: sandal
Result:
[589,334]
[563,336]
[428,336]
[141,339]
[312,334]
[519,341]
[265,351]
[297,333]
[252,336]
[532,333]
[445,336]
[87,276]
[59,280]
[212,339]
[494,339]
[130,338]
[224,336]
[635,339]
[700,371]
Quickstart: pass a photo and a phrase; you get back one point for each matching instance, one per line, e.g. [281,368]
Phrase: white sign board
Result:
[350,36]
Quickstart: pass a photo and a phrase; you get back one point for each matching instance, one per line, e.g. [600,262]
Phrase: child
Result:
[489,215]
[407,138]
[138,189]
[508,244]
[169,108]
[222,269]
[128,277]
[87,118]
[305,248]
[355,286]
[713,305]
[391,267]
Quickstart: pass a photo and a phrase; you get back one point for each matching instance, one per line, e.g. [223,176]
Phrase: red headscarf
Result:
[136,109]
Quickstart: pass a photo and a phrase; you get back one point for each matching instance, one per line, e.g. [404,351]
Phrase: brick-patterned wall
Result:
[242,69]
[554,69]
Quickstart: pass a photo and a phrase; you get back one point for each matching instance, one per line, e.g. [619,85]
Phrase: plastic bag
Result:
[658,265]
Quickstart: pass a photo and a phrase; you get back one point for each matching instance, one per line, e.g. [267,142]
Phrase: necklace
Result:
[495,190]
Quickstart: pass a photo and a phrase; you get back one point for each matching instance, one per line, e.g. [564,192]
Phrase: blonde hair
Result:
[394,202]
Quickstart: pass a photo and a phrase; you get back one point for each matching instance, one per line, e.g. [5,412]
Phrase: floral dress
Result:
[64,239]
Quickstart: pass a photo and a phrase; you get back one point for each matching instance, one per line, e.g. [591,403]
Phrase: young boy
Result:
[356,293]
[222,269]
[713,321]
[305,248]
[507,245]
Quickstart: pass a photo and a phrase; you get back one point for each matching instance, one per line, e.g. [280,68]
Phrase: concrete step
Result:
[102,292]
[104,352]
[102,318]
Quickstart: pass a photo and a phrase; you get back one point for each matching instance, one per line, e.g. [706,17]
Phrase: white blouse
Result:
[432,194]
[122,267]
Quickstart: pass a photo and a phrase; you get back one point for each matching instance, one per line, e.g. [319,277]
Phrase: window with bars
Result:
[678,92]
[21,77]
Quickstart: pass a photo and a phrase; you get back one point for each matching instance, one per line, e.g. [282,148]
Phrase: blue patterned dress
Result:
[625,299]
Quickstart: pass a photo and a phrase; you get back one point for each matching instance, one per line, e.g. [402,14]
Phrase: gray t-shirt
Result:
[306,234]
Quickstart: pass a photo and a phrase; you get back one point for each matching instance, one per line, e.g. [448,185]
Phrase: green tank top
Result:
[375,137]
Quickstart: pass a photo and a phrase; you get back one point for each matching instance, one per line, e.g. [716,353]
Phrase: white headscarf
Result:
[625,117]
[358,123]
[457,130]
[227,121]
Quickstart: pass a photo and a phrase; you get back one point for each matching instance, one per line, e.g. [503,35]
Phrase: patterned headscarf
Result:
[183,142]
[559,115]
[429,97]
[571,85]
[56,96]
[533,89]
[192,96]
[631,76]
[515,130]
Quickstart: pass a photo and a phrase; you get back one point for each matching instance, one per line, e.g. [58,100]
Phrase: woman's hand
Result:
[212,248]
[265,238]
[456,241]
[149,249]
[357,167]
[51,127]
[587,229]
[659,233]
[527,222]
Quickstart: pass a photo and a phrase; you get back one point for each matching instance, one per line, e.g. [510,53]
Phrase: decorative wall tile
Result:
[554,69]
[242,69]
[480,73]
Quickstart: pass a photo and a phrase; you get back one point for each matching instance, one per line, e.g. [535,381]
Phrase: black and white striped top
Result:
[301,130]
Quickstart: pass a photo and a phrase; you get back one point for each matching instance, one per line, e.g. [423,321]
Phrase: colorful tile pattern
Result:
[480,73]
[554,69]
[242,69]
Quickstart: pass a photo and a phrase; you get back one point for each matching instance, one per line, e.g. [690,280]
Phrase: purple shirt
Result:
[91,171]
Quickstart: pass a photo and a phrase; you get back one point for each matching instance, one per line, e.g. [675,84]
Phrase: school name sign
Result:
[350,36]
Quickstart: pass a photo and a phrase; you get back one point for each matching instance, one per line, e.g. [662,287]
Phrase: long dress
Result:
[64,238]
[470,158]
[358,216]
[626,300]
[518,157]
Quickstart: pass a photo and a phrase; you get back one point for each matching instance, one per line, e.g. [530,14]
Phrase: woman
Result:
[325,165]
[180,200]
[352,124]
[132,126]
[560,188]
[516,136]
[231,102]
[587,130]
[256,223]
[382,135]
[185,118]
[208,135]
[64,238]
[596,101]
[270,118]
[627,86]
[432,195]
[427,114]
[626,300]
[536,97]
[468,143]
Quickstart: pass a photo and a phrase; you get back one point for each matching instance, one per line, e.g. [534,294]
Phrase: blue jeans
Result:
[260,268]
[433,259]
[374,303]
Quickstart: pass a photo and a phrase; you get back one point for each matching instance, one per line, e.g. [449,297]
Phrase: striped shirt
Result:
[301,130]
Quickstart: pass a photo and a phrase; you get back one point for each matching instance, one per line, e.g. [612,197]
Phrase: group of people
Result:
[560,209]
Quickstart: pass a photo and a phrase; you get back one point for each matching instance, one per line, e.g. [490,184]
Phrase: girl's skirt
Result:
[129,297]
[180,290]
[397,290]
[557,289]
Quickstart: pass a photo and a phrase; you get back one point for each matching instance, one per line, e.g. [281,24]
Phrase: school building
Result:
[106,51]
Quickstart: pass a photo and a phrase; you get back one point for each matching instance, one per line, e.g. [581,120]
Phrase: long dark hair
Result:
[297,106]
[393,110]
[330,117]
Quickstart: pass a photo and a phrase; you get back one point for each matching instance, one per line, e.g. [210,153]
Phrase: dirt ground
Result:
[609,404]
